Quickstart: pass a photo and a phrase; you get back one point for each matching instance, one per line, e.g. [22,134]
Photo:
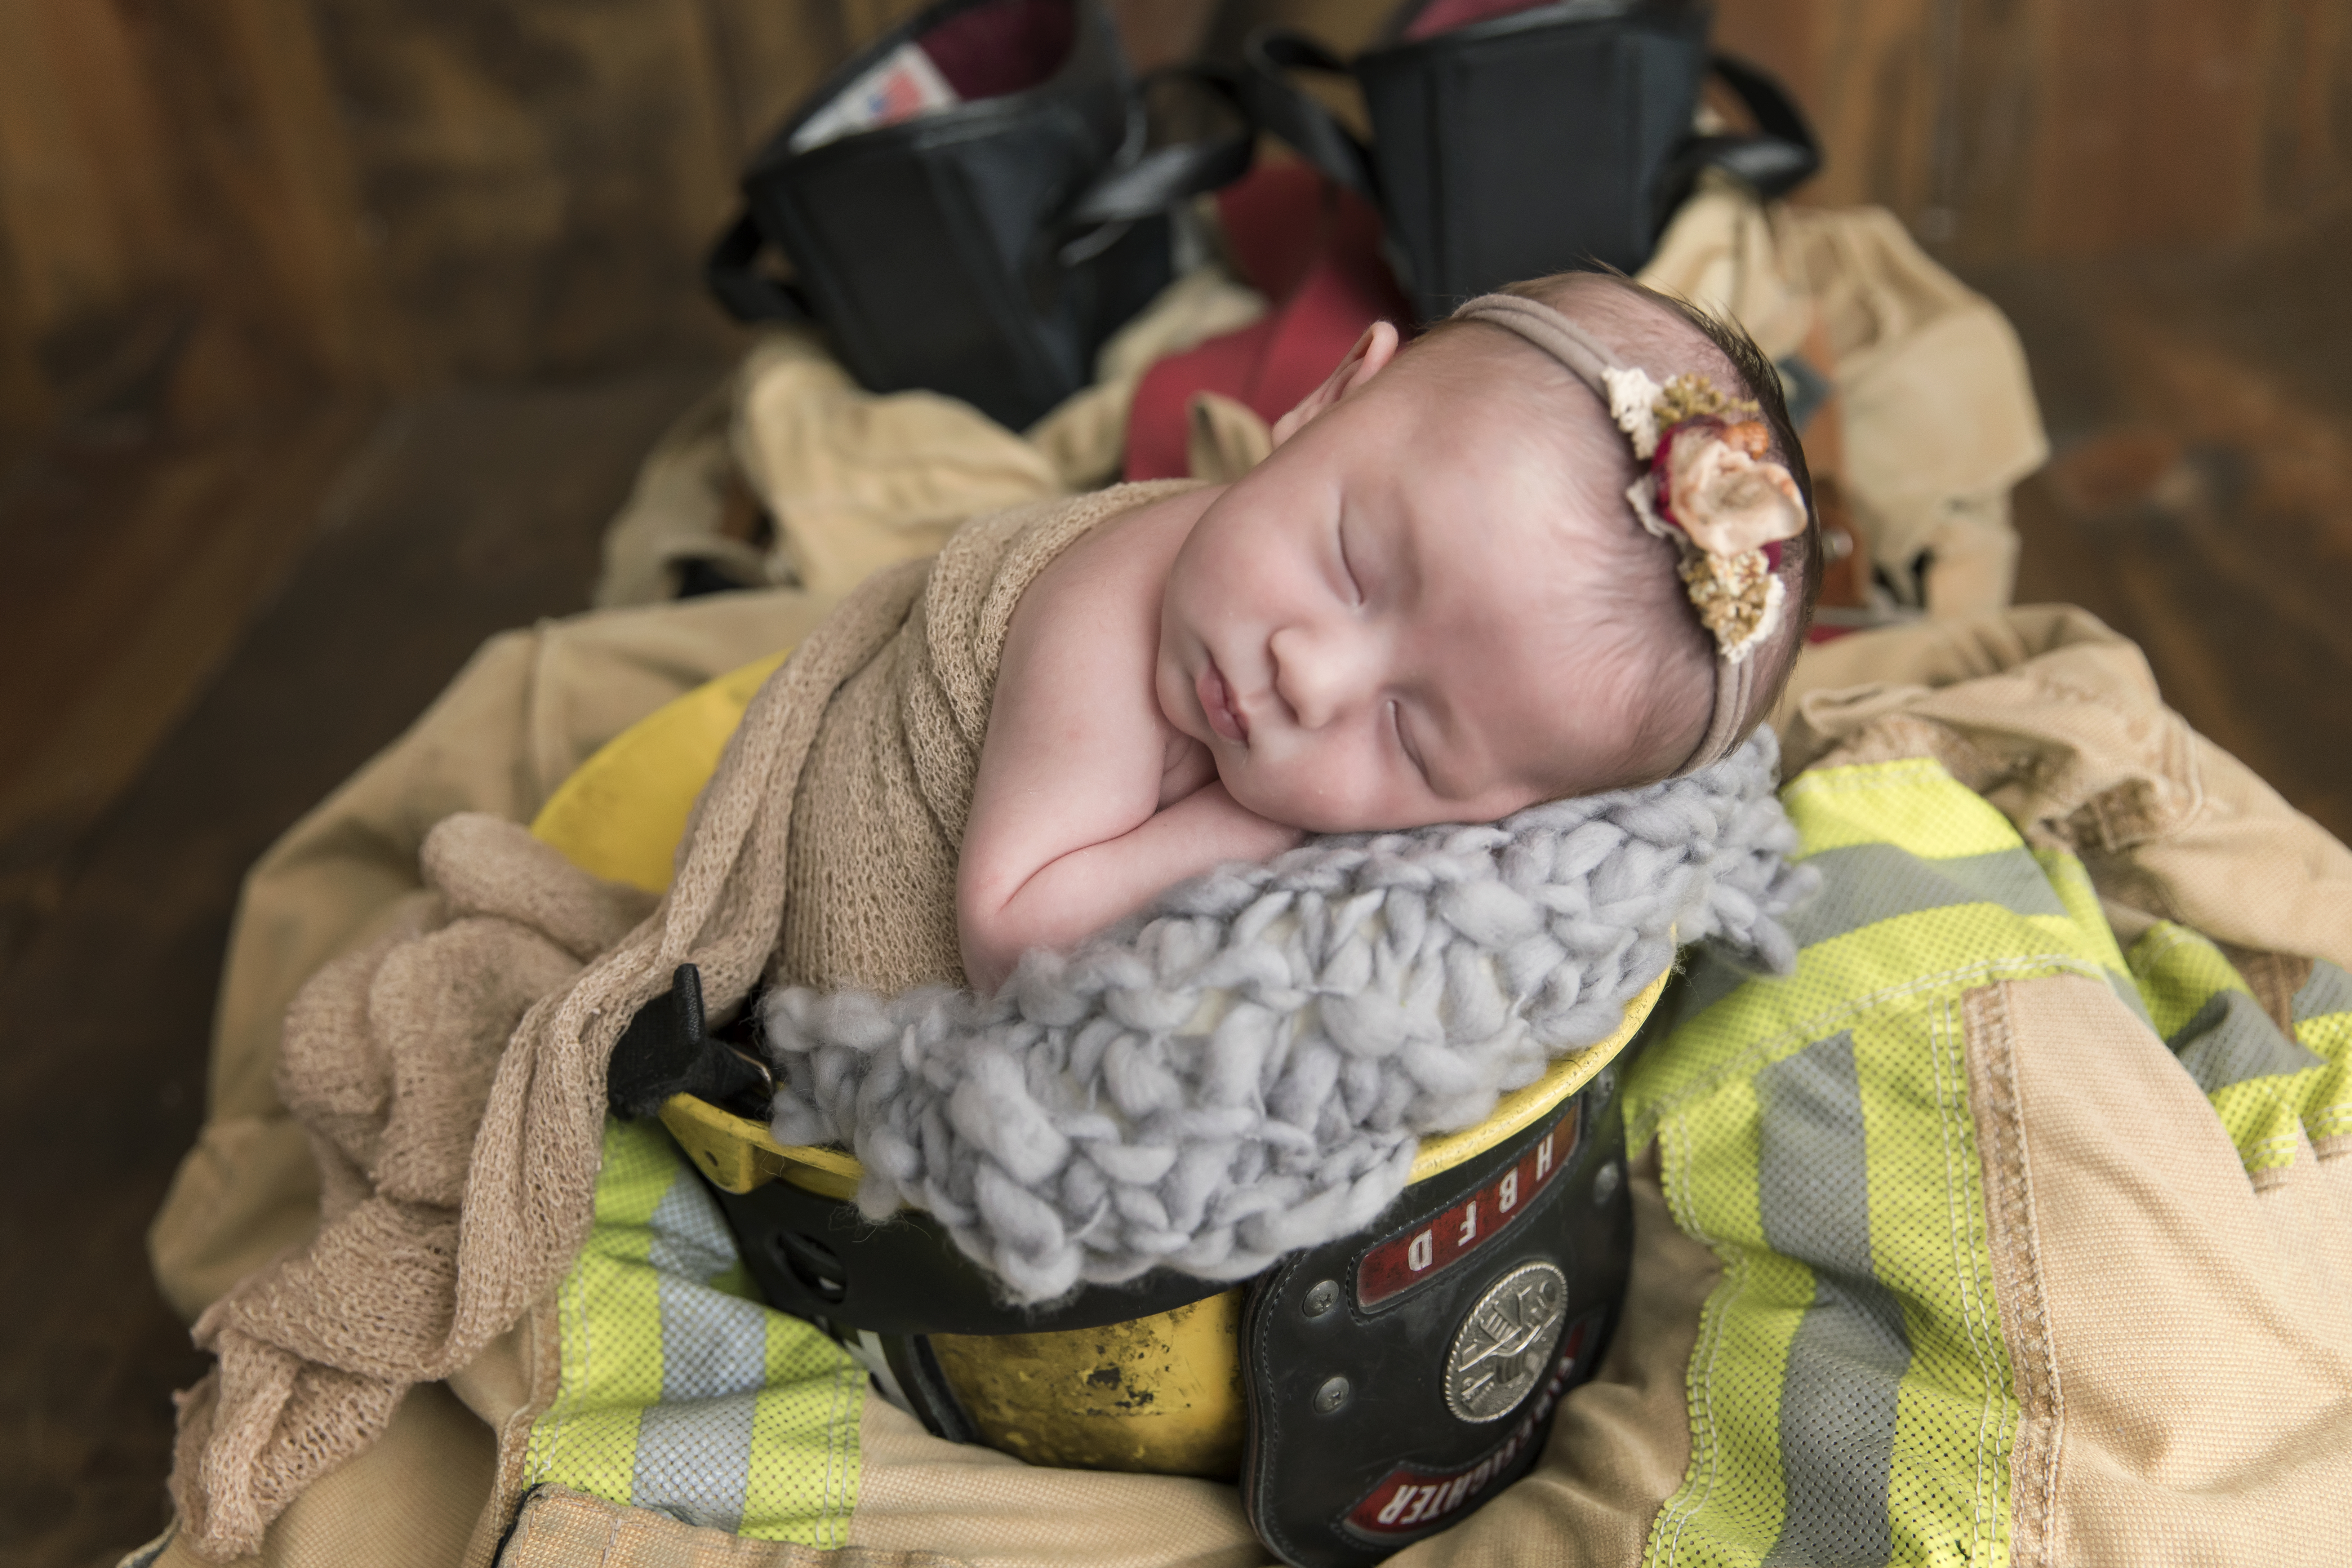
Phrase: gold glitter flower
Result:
[1738,598]
[1691,395]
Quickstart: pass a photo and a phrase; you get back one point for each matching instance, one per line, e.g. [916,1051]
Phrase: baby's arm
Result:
[1088,802]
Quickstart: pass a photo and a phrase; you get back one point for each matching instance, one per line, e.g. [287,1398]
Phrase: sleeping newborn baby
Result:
[1560,545]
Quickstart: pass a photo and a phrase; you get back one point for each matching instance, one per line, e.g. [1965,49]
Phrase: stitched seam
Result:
[2021,1178]
[833,1513]
[1823,1023]
[853,1390]
[2007,1115]
[1943,1058]
[571,1305]
[2192,770]
[2280,1143]
[1737,1267]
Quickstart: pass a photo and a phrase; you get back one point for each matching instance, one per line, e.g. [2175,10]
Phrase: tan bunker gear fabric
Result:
[523,715]
[2167,1302]
[1928,379]
[853,481]
[2166,1209]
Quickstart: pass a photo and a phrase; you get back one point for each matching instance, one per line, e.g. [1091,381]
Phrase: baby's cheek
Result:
[1305,793]
[1248,785]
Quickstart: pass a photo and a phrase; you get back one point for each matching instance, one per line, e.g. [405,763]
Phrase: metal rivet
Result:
[1321,1297]
[1604,1183]
[1331,1396]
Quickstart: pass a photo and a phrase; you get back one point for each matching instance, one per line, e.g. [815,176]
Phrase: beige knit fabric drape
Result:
[451,1075]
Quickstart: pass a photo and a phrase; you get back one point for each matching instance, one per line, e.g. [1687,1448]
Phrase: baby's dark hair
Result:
[1682,669]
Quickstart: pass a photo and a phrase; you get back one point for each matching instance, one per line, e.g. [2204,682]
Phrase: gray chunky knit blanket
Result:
[1247,1068]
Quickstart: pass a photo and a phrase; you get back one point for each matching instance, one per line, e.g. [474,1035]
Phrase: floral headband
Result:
[1707,489]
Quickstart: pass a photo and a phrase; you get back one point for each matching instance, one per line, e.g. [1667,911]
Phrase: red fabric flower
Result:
[1711,485]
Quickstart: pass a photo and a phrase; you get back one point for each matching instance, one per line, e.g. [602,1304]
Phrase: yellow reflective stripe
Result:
[621,816]
[1960,851]
[802,1484]
[1837,981]
[1947,1464]
[1948,1494]
[2327,1107]
[2265,1114]
[1912,802]
[2263,1120]
[754,1429]
[1826,1351]
[2179,972]
[609,1313]
[2323,1026]
[1732,1495]
[2070,880]
[1850,1395]
[2271,1094]
[2087,922]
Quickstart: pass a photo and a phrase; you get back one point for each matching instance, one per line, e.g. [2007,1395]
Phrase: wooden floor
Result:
[202,642]
[2200,495]
[438,525]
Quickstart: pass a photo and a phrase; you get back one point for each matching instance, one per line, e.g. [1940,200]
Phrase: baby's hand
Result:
[1087,890]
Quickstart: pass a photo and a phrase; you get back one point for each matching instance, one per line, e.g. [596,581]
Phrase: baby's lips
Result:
[1217,704]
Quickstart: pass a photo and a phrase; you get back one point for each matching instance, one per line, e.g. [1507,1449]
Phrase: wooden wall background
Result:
[2028,130]
[209,205]
[220,201]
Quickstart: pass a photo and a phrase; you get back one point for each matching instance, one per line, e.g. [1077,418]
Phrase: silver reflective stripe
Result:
[2127,991]
[2329,990]
[694,1448]
[2231,1039]
[690,1235]
[1840,1392]
[694,1458]
[1862,884]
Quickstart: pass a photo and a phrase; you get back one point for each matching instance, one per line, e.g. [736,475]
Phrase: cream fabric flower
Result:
[1632,404]
[1723,499]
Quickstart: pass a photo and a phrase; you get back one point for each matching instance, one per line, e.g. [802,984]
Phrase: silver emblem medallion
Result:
[1503,1347]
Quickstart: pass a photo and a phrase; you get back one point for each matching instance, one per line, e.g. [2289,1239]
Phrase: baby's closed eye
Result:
[1402,732]
[1349,577]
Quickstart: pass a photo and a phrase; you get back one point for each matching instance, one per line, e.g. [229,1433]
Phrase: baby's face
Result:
[1370,631]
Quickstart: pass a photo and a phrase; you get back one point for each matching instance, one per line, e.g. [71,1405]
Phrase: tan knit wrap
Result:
[451,1076]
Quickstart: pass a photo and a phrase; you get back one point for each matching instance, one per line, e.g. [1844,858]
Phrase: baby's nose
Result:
[1319,672]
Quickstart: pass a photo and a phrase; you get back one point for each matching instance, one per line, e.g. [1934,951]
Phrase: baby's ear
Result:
[1366,360]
